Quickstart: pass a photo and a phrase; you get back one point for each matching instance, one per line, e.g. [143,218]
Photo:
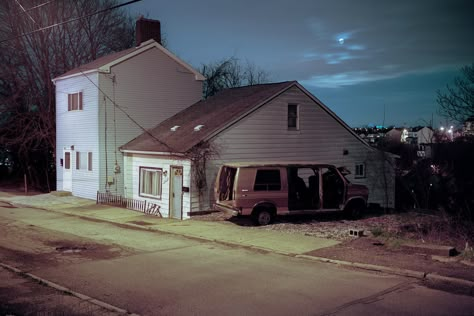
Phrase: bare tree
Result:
[458,102]
[230,73]
[27,95]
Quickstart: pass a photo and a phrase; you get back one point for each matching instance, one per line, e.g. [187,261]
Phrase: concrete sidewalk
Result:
[223,232]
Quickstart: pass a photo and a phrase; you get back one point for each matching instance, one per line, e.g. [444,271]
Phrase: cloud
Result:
[370,40]
[345,79]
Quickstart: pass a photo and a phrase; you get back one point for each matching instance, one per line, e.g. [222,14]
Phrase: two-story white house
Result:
[175,164]
[420,135]
[108,102]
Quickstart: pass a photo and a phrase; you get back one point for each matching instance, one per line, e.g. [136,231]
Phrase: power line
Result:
[129,117]
[69,21]
[39,5]
[24,11]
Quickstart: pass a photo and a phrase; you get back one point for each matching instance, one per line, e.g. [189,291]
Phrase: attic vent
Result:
[198,128]
[174,128]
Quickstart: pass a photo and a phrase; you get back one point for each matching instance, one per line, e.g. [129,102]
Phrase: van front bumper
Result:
[227,209]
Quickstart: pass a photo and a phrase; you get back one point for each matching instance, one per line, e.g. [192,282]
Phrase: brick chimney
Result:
[147,29]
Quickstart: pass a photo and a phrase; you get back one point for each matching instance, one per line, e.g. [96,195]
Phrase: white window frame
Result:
[84,160]
[297,127]
[147,174]
[359,170]
[75,101]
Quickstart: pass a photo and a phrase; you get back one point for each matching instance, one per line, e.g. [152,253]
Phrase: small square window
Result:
[293,118]
[360,170]
[74,101]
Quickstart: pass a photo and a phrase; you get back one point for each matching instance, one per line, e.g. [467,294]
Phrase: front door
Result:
[176,193]
[67,171]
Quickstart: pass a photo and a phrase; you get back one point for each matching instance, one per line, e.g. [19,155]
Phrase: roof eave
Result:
[80,73]
[140,49]
[149,152]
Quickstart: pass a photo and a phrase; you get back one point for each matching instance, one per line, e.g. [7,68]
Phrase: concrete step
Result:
[446,251]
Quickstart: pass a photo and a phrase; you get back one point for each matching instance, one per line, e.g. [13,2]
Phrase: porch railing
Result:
[131,204]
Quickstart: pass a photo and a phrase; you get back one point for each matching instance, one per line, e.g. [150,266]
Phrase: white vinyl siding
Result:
[154,162]
[78,131]
[149,88]
[264,136]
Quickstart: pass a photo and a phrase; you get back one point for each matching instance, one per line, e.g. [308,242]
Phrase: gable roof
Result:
[206,118]
[104,63]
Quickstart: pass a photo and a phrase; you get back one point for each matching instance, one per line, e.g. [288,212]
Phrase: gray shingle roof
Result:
[213,114]
[99,62]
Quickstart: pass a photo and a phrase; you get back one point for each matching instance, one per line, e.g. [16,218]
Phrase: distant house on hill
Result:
[415,135]
[420,135]
[394,135]
[468,127]
[176,162]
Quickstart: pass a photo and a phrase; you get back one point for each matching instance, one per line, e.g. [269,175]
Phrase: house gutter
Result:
[75,75]
[161,153]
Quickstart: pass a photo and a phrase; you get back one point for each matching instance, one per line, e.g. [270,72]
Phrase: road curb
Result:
[465,287]
[462,286]
[60,288]
[371,267]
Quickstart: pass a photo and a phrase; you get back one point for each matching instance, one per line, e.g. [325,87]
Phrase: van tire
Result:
[355,210]
[262,217]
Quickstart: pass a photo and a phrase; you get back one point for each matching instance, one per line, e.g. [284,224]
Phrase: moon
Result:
[341,41]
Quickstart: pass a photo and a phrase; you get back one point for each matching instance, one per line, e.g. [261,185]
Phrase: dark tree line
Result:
[231,73]
[29,63]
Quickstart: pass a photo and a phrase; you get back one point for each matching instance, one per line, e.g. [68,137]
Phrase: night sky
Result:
[358,57]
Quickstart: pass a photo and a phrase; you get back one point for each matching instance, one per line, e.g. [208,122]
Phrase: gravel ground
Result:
[410,225]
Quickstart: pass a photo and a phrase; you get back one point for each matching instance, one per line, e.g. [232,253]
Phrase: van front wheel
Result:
[262,217]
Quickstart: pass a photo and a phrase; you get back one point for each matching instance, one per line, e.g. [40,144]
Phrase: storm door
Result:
[176,192]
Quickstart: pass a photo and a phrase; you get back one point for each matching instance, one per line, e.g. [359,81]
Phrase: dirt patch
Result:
[90,251]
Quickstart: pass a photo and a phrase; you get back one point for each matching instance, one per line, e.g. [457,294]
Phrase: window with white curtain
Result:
[150,182]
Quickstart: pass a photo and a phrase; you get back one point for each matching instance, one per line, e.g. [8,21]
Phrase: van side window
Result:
[267,180]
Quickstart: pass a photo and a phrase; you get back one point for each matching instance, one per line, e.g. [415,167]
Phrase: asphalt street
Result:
[153,273]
